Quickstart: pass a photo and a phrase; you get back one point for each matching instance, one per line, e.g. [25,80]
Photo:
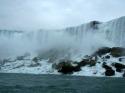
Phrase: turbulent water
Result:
[63,43]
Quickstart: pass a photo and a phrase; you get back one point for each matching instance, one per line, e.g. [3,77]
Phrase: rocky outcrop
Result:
[119,67]
[67,67]
[107,57]
[114,51]
[35,59]
[108,70]
[102,51]
[90,62]
[117,51]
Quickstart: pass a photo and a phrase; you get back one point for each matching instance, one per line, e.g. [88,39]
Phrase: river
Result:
[30,83]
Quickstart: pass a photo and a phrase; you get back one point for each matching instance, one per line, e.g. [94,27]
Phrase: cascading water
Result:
[69,42]
[114,31]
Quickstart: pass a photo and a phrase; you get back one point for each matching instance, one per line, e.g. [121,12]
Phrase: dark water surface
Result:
[25,83]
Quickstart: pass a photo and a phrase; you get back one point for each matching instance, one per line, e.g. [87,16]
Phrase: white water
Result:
[69,42]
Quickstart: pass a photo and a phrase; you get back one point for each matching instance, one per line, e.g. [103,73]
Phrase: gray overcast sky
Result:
[36,14]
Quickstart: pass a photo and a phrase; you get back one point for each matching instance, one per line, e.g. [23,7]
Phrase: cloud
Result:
[52,14]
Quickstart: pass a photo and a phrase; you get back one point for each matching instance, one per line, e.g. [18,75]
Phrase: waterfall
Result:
[68,42]
[115,31]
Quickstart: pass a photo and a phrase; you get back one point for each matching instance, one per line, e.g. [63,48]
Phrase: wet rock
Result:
[61,63]
[91,62]
[104,65]
[95,72]
[114,51]
[84,62]
[117,51]
[119,70]
[107,57]
[35,62]
[109,72]
[122,59]
[102,51]
[118,66]
[66,67]
[77,68]
[35,59]
[104,59]
[99,62]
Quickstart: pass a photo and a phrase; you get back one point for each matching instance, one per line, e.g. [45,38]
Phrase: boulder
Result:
[91,62]
[77,68]
[114,51]
[104,65]
[102,51]
[66,67]
[118,66]
[119,70]
[117,51]
[35,59]
[61,62]
[84,62]
[122,59]
[107,57]
[109,72]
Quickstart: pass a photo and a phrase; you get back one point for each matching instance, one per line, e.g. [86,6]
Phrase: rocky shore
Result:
[103,62]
